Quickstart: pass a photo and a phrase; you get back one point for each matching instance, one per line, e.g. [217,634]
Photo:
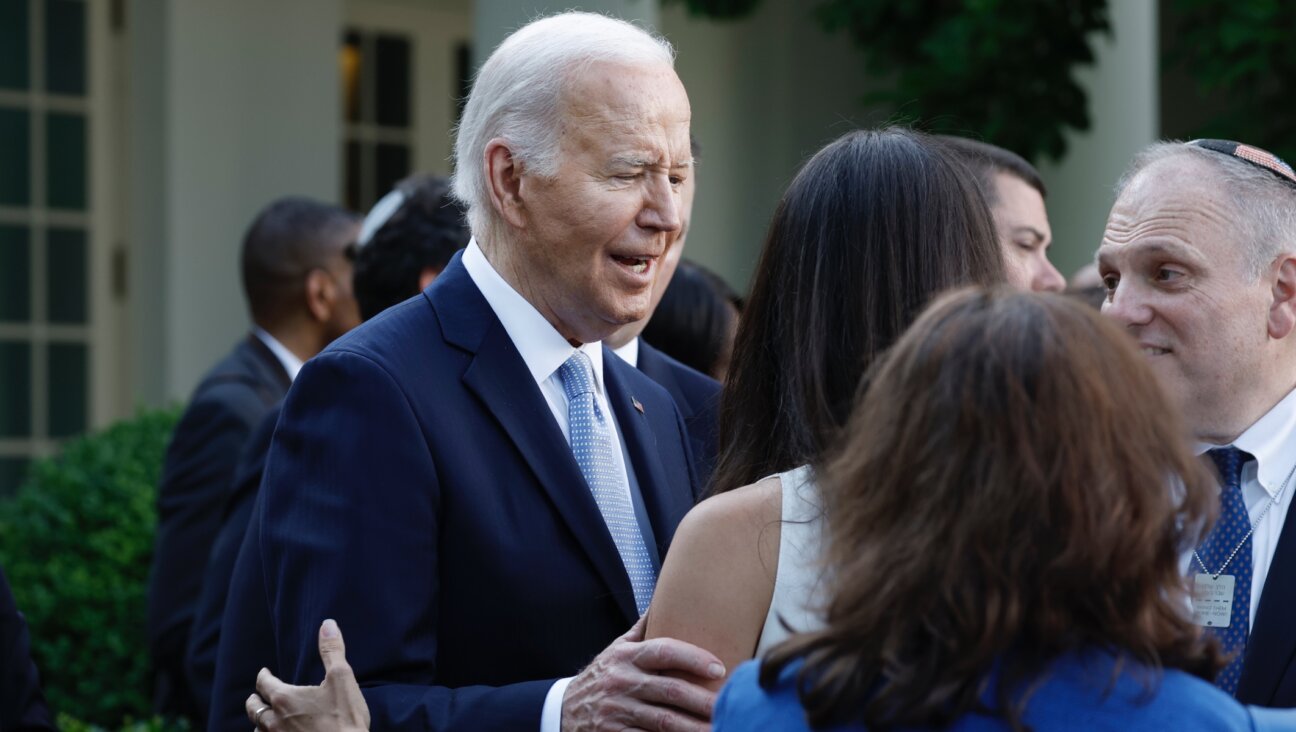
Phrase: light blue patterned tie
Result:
[592,442]
[1234,523]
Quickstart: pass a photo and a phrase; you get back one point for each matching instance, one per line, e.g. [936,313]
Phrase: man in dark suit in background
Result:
[1199,262]
[406,240]
[696,394]
[296,273]
[470,480]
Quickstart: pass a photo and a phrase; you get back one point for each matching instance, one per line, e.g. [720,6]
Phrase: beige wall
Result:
[767,92]
[762,103]
[234,103]
[1123,105]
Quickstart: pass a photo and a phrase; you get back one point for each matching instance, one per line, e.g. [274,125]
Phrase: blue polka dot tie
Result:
[592,442]
[1234,523]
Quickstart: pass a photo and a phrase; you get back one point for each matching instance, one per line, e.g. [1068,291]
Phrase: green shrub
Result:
[153,724]
[76,541]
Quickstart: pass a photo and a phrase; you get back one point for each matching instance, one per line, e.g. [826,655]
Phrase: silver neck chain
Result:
[1254,524]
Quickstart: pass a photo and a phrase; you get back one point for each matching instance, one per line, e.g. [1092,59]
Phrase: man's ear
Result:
[320,295]
[1282,311]
[504,180]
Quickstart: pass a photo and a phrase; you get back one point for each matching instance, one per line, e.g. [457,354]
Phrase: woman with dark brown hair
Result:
[873,227]
[1003,546]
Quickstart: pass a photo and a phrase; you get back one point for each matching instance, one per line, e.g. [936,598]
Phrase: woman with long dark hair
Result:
[1003,546]
[871,229]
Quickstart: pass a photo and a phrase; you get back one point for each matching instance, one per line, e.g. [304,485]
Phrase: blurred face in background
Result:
[1023,227]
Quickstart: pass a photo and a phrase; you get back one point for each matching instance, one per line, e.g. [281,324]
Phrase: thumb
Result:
[636,632]
[331,648]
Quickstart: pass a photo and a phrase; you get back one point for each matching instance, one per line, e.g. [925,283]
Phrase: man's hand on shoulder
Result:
[625,686]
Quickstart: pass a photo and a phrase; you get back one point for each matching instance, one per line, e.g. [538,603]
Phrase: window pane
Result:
[65,46]
[15,151]
[352,176]
[352,62]
[68,390]
[66,156]
[392,164]
[12,472]
[392,80]
[13,45]
[66,276]
[15,389]
[15,274]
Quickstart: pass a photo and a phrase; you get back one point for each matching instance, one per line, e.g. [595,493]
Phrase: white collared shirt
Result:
[544,350]
[287,358]
[1272,442]
[629,352]
[542,347]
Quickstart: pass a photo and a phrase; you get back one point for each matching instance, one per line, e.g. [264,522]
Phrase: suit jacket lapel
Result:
[655,367]
[1271,647]
[498,377]
[664,509]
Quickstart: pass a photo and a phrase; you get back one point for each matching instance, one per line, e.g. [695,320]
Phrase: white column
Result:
[1123,106]
[493,20]
[234,103]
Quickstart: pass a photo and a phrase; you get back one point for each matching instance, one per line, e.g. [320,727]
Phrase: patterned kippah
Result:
[1253,155]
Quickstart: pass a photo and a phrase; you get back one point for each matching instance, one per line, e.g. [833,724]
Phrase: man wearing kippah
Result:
[1199,263]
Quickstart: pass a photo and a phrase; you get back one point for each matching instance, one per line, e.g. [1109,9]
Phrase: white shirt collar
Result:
[287,358]
[1272,441]
[542,347]
[629,352]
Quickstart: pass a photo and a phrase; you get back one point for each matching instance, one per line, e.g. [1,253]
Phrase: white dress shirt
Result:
[287,358]
[544,350]
[629,352]
[1272,442]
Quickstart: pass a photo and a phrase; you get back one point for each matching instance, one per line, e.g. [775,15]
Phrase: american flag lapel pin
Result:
[635,402]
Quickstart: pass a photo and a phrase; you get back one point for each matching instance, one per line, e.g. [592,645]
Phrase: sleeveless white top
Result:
[798,584]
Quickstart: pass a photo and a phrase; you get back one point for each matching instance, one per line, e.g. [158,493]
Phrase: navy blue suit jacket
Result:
[698,398]
[196,481]
[419,491]
[1269,669]
[205,635]
[245,635]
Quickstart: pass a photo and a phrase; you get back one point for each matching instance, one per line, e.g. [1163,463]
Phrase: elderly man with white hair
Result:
[470,483]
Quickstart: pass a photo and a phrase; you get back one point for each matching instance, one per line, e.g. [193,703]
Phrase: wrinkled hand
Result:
[334,706]
[623,687]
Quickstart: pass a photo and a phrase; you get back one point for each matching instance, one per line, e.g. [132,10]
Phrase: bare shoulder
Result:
[718,578]
[736,514]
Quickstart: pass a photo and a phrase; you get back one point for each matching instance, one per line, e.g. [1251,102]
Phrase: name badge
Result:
[1212,600]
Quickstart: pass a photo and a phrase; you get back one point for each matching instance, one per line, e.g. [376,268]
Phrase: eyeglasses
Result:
[1253,155]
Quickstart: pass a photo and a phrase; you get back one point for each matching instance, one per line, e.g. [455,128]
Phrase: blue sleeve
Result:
[1272,720]
[350,531]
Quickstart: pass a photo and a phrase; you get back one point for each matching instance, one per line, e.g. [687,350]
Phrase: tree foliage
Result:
[75,542]
[999,70]
[1239,53]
